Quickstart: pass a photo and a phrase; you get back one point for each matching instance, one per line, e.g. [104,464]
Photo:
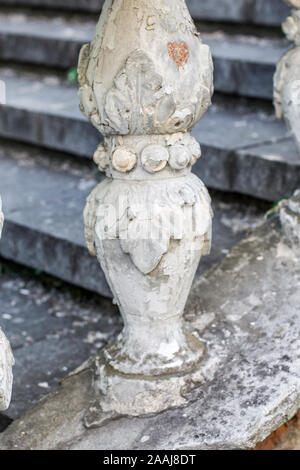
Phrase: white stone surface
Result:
[290,218]
[249,382]
[287,76]
[6,356]
[150,222]
[1,217]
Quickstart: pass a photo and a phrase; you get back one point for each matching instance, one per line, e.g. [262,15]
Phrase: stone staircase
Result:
[245,149]
[261,12]
[46,145]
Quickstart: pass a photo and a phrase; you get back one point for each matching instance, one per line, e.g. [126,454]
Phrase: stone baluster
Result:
[145,80]
[287,76]
[6,356]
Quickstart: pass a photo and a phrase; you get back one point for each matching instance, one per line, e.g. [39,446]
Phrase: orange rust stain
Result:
[277,437]
[179,52]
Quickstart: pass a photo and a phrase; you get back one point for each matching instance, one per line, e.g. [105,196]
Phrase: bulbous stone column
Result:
[6,356]
[287,76]
[145,80]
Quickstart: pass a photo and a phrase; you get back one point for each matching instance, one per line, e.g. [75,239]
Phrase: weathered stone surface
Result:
[38,317]
[261,12]
[289,218]
[6,377]
[6,357]
[273,181]
[42,111]
[244,65]
[286,78]
[150,221]
[268,12]
[49,235]
[233,159]
[80,5]
[38,236]
[250,376]
[1,217]
[52,331]
[37,39]
[45,113]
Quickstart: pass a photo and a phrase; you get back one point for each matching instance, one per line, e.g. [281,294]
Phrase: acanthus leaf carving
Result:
[139,102]
[138,99]
[148,218]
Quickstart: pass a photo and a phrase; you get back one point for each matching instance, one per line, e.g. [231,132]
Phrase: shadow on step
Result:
[5,421]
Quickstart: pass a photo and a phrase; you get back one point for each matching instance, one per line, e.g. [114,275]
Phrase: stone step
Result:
[53,41]
[44,224]
[244,65]
[51,331]
[43,206]
[41,110]
[261,12]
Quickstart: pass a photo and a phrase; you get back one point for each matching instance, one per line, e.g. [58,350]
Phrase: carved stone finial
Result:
[287,76]
[6,356]
[145,80]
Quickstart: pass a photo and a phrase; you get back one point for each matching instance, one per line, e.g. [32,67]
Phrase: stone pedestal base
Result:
[118,394]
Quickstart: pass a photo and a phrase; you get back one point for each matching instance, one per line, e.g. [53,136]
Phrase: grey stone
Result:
[41,366]
[47,233]
[271,171]
[51,331]
[80,5]
[36,39]
[264,12]
[46,114]
[290,216]
[279,179]
[243,65]
[260,12]
[42,111]
[30,311]
[232,124]
[250,381]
